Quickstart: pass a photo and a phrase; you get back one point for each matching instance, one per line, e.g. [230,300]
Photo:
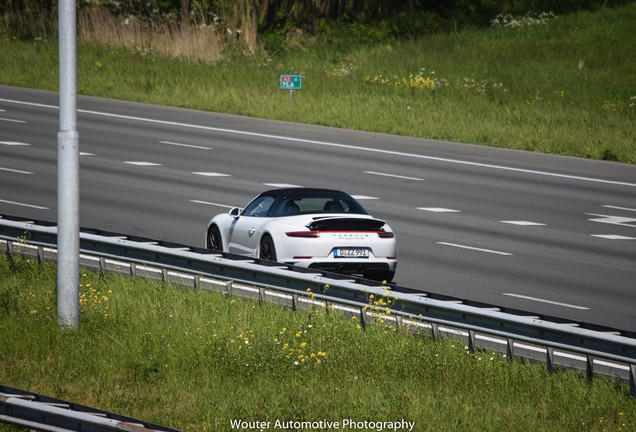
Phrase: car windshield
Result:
[311,204]
[259,207]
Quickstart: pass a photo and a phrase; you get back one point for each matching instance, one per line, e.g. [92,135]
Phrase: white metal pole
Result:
[68,172]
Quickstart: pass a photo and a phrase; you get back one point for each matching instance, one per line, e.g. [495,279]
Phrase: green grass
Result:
[564,87]
[195,360]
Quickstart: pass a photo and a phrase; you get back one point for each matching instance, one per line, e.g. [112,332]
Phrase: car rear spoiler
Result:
[346,224]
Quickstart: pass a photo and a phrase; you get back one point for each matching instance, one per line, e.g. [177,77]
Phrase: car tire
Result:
[213,240]
[267,250]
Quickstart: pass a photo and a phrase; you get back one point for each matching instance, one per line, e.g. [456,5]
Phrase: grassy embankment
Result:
[194,360]
[564,85]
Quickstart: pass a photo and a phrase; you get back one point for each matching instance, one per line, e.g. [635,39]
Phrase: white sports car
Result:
[316,228]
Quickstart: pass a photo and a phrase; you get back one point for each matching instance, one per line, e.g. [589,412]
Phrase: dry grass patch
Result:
[183,41]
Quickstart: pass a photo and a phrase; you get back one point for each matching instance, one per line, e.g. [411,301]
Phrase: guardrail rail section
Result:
[518,334]
[44,413]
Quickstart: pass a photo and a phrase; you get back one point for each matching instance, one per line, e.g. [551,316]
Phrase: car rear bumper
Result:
[352,267]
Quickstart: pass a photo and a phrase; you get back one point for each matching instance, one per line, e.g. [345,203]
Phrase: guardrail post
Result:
[632,380]
[363,317]
[550,358]
[510,349]
[102,266]
[589,370]
[261,295]
[435,332]
[471,341]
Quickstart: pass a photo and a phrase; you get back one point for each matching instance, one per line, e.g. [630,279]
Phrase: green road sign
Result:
[290,82]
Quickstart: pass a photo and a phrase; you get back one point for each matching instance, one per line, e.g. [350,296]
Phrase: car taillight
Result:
[303,234]
[384,234]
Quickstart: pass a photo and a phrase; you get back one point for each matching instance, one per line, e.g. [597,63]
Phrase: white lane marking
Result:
[323,143]
[614,220]
[393,175]
[545,301]
[438,210]
[15,170]
[185,145]
[619,208]
[211,174]
[474,248]
[12,120]
[141,163]
[24,204]
[613,236]
[86,154]
[524,223]
[212,204]
[363,197]
[14,143]
[281,185]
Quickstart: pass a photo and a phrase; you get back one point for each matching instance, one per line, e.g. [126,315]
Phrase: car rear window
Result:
[294,205]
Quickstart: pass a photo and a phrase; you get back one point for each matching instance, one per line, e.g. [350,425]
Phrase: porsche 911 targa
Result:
[316,228]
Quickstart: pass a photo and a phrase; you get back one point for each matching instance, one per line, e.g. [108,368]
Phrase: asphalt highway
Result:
[548,234]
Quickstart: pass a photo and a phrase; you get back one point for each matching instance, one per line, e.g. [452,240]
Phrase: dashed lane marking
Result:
[185,145]
[619,208]
[524,223]
[281,185]
[613,220]
[474,248]
[15,170]
[613,237]
[12,120]
[14,143]
[141,163]
[393,175]
[24,204]
[211,174]
[438,210]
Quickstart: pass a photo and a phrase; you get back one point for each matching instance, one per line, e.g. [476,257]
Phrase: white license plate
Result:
[351,253]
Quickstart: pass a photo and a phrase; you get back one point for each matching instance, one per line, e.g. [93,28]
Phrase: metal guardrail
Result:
[597,350]
[43,413]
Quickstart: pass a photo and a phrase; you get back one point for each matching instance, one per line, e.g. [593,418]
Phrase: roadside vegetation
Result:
[194,360]
[557,81]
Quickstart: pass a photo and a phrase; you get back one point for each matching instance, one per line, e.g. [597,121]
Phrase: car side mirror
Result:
[235,212]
